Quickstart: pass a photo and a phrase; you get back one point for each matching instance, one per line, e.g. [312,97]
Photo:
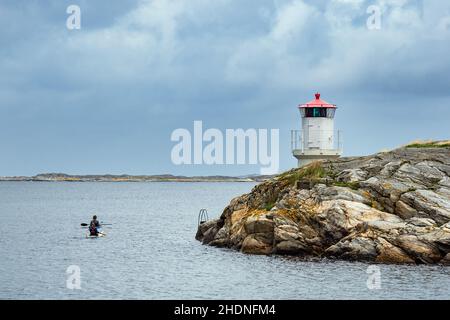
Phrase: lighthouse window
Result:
[316,112]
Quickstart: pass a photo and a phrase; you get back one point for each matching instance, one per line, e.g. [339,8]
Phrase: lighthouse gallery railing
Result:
[298,136]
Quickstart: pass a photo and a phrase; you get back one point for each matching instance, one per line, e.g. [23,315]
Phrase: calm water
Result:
[150,251]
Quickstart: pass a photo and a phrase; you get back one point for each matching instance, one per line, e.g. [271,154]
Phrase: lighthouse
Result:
[317,140]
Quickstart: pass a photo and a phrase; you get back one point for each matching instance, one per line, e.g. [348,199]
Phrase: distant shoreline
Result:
[61,177]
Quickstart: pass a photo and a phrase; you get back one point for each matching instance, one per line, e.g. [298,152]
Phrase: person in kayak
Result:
[93,226]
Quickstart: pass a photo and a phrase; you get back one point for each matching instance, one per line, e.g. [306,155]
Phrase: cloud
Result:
[334,49]
[174,44]
[152,66]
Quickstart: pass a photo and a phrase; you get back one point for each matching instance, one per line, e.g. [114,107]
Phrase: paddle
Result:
[103,224]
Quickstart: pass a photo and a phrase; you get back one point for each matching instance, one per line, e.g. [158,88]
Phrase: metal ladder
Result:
[202,216]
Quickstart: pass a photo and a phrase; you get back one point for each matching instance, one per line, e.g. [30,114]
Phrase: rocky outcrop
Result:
[392,207]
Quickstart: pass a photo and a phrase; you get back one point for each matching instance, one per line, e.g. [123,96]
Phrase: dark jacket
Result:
[93,227]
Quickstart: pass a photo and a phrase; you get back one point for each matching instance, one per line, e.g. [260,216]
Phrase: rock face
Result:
[392,207]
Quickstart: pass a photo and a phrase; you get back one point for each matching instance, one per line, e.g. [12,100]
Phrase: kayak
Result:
[101,234]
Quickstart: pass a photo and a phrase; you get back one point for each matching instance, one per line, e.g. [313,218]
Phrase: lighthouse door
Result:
[313,136]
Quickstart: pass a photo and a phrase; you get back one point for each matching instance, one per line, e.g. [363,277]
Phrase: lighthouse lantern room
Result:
[317,140]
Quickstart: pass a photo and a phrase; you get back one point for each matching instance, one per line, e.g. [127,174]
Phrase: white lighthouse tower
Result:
[317,139]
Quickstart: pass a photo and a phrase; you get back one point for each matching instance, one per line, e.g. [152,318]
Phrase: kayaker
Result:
[93,226]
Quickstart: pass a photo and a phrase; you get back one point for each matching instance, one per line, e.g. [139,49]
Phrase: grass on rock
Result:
[429,144]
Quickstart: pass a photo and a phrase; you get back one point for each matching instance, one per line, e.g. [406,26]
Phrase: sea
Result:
[149,251]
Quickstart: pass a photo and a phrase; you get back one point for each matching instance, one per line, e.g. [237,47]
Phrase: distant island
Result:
[62,177]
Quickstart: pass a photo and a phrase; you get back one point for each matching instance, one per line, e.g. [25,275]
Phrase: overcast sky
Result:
[106,98]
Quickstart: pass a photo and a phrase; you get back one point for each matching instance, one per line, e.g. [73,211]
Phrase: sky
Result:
[106,98]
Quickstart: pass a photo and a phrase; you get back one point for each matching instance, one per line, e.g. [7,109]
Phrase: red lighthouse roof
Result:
[317,103]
